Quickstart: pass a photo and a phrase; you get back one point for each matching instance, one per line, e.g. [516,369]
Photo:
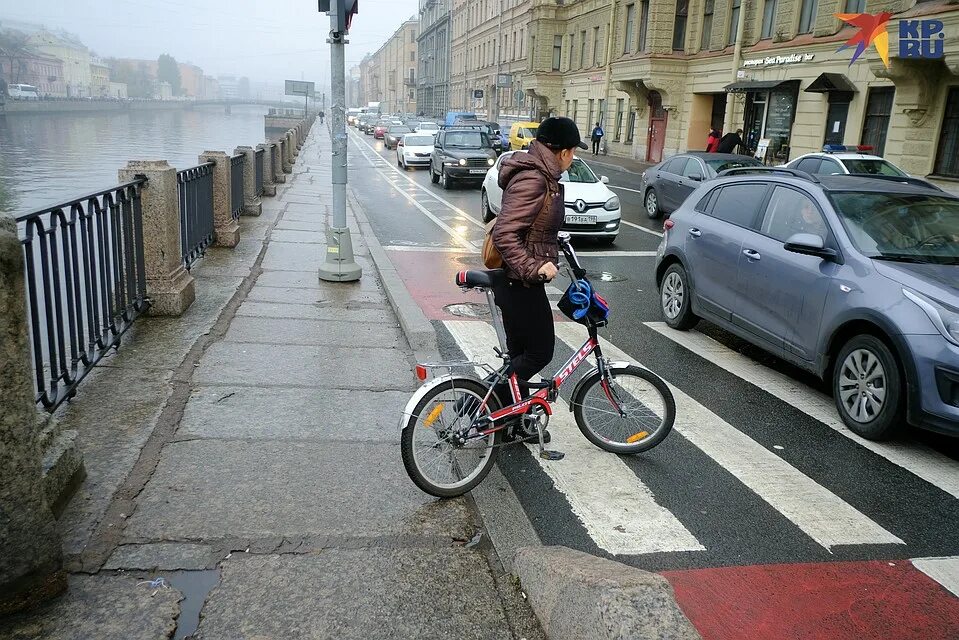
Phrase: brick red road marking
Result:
[874,600]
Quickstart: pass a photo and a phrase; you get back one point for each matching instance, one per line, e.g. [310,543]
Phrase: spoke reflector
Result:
[434,414]
[636,437]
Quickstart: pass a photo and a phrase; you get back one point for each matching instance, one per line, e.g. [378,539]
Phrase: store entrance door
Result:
[657,128]
[836,122]
[755,120]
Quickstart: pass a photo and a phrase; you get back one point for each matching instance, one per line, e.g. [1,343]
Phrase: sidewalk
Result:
[625,164]
[273,497]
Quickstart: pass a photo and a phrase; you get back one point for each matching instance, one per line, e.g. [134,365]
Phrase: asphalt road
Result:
[759,469]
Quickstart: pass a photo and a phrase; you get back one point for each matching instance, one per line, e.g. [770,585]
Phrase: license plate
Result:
[580,219]
[477,171]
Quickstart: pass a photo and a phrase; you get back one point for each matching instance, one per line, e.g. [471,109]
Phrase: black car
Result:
[666,185]
[461,154]
[394,134]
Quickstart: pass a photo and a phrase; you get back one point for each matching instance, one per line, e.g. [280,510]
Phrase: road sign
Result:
[520,95]
[504,80]
[477,93]
[299,88]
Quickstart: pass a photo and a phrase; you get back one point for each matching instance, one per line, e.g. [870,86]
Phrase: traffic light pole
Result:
[339,265]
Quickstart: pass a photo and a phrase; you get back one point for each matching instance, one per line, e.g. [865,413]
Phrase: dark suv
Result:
[461,154]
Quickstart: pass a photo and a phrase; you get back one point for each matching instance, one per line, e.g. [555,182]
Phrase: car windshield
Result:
[467,139]
[865,165]
[721,164]
[901,227]
[579,172]
[418,141]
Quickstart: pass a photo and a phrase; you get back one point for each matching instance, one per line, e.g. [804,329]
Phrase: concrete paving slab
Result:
[315,332]
[296,225]
[299,236]
[316,312]
[277,413]
[101,607]
[357,595]
[229,363]
[310,280]
[303,215]
[208,489]
[290,256]
[163,556]
[332,293]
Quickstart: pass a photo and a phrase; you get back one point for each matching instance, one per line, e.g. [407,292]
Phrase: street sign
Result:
[504,80]
[477,93]
[520,95]
[299,88]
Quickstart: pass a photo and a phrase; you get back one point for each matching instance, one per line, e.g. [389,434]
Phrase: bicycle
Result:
[620,407]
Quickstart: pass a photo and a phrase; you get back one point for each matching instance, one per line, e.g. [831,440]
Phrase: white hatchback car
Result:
[839,159]
[592,210]
[427,127]
[414,150]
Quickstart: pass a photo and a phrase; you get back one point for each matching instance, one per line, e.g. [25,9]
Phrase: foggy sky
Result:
[270,40]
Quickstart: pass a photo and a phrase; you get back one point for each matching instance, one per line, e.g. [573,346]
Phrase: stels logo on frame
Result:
[917,38]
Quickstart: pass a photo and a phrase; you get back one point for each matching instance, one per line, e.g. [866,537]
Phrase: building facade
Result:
[191,80]
[99,78]
[76,58]
[45,72]
[389,75]
[433,49]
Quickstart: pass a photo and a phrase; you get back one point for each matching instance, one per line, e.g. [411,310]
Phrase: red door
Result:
[657,128]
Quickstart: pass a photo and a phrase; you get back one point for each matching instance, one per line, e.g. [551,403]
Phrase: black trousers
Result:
[530,336]
[596,145]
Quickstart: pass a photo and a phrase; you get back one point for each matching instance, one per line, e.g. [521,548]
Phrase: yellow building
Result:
[389,75]
[99,79]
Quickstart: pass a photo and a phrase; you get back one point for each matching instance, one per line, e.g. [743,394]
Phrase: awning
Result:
[828,82]
[744,86]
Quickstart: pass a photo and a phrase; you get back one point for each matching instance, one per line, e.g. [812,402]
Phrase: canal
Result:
[48,158]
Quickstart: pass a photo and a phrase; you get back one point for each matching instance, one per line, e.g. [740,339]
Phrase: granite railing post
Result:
[294,151]
[276,150]
[170,287]
[251,201]
[286,154]
[269,184]
[31,559]
[226,228]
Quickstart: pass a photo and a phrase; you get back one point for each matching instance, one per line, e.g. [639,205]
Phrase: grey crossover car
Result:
[667,185]
[855,279]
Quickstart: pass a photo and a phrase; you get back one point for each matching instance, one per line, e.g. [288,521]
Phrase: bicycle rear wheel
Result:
[436,459]
[648,409]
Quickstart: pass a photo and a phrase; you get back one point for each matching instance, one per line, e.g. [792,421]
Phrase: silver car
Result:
[855,279]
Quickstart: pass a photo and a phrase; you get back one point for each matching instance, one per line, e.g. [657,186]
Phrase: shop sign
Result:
[771,61]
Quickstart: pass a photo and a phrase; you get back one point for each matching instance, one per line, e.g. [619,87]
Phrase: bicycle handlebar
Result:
[567,248]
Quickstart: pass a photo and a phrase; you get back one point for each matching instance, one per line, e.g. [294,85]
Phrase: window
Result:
[532,47]
[557,52]
[769,18]
[947,159]
[679,26]
[412,36]
[790,212]
[693,168]
[513,56]
[619,118]
[601,114]
[876,123]
[412,56]
[630,125]
[809,165]
[567,108]
[707,25]
[643,24]
[572,40]
[575,110]
[855,6]
[589,115]
[522,44]
[807,16]
[734,12]
[505,45]
[738,203]
[595,46]
[630,28]
[582,48]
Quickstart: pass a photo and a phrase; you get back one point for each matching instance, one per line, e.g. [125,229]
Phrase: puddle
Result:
[195,587]
[606,276]
[468,310]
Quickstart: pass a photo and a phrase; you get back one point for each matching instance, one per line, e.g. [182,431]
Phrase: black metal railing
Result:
[258,166]
[195,194]
[86,284]
[236,185]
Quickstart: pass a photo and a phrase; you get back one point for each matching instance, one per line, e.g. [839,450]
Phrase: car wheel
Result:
[487,212]
[675,299]
[606,241]
[433,177]
[445,180]
[651,201]
[868,390]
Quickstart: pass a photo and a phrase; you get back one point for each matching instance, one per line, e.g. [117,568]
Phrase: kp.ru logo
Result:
[917,38]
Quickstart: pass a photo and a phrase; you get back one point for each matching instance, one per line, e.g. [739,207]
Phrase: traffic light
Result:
[345,10]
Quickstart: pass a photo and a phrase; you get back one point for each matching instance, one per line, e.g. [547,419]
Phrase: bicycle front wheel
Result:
[630,410]
[443,456]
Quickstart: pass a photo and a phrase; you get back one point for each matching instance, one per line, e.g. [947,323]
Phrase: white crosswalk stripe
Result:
[618,511]
[945,571]
[920,460]
[822,515]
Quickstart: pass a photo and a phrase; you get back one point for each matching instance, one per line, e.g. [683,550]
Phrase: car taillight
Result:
[668,224]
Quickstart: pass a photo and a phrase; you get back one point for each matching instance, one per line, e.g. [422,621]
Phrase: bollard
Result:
[269,185]
[170,287]
[277,152]
[251,201]
[287,154]
[226,228]
[31,559]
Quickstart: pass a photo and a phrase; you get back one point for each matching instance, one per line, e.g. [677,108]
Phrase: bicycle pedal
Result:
[547,454]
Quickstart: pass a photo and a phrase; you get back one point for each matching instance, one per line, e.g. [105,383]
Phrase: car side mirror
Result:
[604,179]
[810,244]
[399,144]
[696,177]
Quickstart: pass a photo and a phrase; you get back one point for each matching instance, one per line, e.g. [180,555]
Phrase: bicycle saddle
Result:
[477,279]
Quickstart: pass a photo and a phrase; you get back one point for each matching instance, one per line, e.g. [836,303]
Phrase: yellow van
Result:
[521,134]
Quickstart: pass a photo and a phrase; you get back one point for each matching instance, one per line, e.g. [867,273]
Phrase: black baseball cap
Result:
[559,133]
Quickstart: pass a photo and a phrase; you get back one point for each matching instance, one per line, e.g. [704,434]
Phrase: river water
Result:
[46,159]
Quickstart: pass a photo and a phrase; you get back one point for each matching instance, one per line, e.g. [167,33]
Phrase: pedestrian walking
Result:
[322,115]
[597,137]
[730,141]
[712,141]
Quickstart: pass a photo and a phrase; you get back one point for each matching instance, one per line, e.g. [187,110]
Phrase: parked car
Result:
[666,185]
[426,127]
[460,155]
[23,92]
[521,134]
[394,133]
[591,208]
[840,159]
[414,150]
[852,278]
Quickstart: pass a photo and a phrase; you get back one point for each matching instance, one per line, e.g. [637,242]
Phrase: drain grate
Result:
[468,310]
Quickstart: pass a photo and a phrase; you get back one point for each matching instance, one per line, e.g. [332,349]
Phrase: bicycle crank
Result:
[540,419]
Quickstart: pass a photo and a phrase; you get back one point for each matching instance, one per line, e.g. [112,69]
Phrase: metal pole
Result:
[339,265]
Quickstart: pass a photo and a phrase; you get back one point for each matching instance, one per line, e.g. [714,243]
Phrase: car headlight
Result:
[490,161]
[612,204]
[462,162]
[945,319]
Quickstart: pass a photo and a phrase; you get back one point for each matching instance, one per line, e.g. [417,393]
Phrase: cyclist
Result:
[526,236]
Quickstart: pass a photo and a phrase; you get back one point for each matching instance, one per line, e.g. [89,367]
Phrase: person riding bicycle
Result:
[526,236]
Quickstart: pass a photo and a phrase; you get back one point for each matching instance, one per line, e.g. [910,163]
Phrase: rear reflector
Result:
[420,372]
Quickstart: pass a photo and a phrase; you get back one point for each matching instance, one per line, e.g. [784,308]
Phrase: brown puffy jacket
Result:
[524,234]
